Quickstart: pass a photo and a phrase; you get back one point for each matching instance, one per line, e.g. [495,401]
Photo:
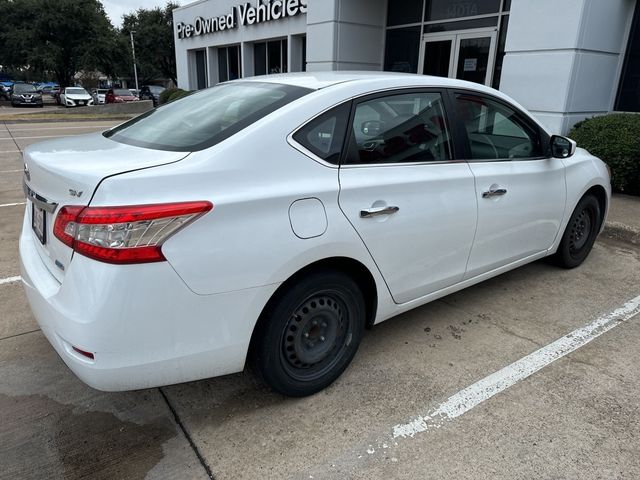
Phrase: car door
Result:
[520,190]
[401,188]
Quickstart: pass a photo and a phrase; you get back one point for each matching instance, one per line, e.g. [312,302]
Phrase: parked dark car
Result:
[4,93]
[120,95]
[151,92]
[25,94]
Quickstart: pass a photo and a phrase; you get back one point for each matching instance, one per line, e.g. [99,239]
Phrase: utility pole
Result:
[135,67]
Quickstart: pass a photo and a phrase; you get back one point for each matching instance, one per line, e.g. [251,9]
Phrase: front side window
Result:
[400,128]
[205,118]
[496,131]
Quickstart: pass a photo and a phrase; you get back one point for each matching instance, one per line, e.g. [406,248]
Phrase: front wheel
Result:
[580,234]
[308,337]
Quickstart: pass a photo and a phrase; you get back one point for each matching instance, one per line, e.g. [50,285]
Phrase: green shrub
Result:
[179,93]
[164,96]
[615,139]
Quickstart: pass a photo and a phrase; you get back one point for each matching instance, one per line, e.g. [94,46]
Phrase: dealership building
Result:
[564,60]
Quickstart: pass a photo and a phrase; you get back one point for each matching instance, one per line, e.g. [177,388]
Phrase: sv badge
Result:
[75,193]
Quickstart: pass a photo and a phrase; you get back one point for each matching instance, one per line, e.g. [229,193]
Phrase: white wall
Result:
[563,57]
[345,34]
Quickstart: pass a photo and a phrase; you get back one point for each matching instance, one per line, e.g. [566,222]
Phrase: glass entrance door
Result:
[466,55]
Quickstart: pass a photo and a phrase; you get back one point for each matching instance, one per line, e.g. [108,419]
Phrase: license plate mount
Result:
[39,223]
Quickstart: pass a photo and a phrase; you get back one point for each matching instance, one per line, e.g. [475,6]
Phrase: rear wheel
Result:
[310,334]
[580,234]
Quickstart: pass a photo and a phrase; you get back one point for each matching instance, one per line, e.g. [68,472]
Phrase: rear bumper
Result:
[141,322]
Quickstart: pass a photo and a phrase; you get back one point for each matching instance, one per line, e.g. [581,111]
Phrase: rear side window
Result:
[324,135]
[207,117]
[496,131]
[400,128]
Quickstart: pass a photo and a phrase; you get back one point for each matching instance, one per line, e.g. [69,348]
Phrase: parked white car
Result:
[101,94]
[275,218]
[75,97]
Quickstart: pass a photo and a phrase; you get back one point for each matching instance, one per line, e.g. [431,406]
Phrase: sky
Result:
[116,8]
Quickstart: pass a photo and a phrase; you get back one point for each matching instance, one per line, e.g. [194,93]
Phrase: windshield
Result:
[76,91]
[122,92]
[157,89]
[206,117]
[23,88]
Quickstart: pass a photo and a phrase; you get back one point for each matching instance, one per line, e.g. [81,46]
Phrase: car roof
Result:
[324,79]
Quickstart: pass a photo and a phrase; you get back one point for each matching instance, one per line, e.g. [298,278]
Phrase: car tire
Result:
[309,334]
[580,233]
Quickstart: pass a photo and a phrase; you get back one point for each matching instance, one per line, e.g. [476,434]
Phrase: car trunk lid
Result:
[67,171]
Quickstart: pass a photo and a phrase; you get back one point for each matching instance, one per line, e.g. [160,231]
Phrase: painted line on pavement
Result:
[10,280]
[9,151]
[11,171]
[460,403]
[41,136]
[60,128]
[12,204]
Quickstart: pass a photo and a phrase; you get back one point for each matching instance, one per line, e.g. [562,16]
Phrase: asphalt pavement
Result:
[457,374]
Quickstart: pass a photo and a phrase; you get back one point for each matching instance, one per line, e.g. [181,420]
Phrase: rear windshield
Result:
[205,118]
[122,92]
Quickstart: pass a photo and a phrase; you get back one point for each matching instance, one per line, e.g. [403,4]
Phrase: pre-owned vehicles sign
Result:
[242,15]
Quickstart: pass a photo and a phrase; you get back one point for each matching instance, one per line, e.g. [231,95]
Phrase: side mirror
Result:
[372,128]
[562,147]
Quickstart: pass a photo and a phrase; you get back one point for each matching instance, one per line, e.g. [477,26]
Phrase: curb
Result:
[622,232]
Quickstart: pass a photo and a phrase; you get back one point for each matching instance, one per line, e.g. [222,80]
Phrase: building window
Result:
[404,12]
[229,64]
[201,69]
[471,31]
[502,40]
[304,54]
[270,57]
[402,50]
[629,91]
[447,9]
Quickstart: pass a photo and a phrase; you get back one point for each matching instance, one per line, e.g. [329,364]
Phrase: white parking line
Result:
[9,151]
[40,136]
[472,396]
[11,171]
[12,204]
[60,128]
[10,280]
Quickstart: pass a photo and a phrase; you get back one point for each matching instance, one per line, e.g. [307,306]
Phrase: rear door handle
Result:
[372,212]
[494,192]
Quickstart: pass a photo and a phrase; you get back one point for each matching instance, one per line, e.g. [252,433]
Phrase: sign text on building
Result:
[242,15]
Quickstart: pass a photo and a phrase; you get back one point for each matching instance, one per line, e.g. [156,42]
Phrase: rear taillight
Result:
[130,234]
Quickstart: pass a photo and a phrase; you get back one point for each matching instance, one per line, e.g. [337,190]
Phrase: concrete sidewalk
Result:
[623,221]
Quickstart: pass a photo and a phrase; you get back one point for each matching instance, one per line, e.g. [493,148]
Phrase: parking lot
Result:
[575,417]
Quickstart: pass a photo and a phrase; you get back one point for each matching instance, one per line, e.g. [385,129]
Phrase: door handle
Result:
[372,212]
[494,192]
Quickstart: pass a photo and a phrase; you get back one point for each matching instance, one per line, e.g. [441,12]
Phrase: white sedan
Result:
[272,219]
[75,97]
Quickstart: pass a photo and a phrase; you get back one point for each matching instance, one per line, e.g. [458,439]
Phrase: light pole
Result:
[133,51]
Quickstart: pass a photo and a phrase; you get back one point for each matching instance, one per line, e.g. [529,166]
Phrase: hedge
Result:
[164,96]
[615,138]
[179,93]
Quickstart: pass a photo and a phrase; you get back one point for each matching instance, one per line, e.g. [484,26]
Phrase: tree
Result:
[61,37]
[154,43]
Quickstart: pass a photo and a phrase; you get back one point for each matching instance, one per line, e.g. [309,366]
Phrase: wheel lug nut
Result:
[306,335]
[322,339]
[324,325]
[314,323]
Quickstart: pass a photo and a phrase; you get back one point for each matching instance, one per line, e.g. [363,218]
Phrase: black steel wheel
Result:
[308,336]
[580,234]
